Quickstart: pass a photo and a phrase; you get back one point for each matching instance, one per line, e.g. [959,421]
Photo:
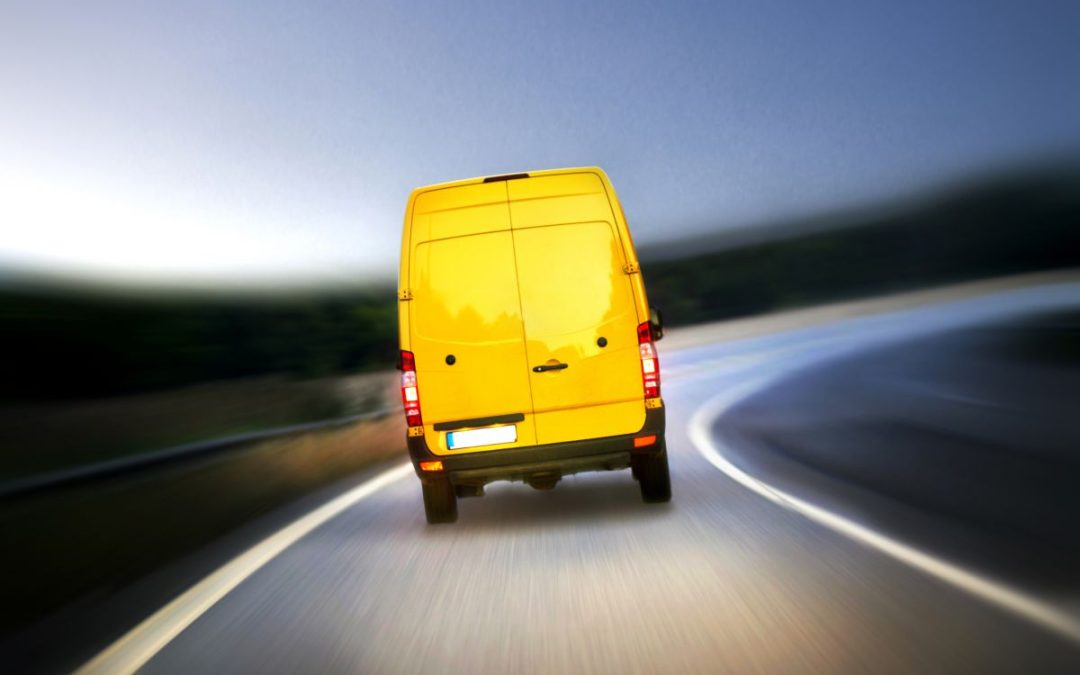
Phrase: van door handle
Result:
[554,366]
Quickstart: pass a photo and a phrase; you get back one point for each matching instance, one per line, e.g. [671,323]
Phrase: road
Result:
[754,566]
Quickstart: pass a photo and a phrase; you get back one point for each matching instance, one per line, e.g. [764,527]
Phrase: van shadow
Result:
[574,501]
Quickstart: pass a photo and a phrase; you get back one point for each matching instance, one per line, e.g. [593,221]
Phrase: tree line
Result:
[61,343]
[1008,225]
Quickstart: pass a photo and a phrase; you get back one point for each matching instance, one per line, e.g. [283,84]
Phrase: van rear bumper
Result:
[593,454]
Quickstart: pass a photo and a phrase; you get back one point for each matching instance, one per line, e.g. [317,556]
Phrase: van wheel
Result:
[653,477]
[440,502]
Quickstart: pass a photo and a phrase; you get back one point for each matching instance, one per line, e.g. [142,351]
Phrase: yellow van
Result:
[527,342]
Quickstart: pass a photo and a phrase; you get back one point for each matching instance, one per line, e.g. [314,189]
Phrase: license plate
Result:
[456,440]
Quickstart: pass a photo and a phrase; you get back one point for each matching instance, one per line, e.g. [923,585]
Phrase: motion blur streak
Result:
[589,579]
[990,590]
[130,652]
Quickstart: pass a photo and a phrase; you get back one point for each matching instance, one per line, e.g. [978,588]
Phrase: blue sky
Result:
[215,142]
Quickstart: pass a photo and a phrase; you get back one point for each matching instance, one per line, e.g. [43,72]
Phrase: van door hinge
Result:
[631,268]
[404,295]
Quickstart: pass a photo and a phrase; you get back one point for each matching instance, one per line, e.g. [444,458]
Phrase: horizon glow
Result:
[233,143]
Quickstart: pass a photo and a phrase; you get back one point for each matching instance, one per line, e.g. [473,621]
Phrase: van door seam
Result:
[521,313]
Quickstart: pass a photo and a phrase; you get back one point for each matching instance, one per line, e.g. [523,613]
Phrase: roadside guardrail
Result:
[22,487]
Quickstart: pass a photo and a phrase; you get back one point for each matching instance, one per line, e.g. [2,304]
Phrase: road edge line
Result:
[141,643]
[985,588]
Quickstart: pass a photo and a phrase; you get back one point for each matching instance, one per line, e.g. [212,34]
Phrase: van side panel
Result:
[465,313]
[575,295]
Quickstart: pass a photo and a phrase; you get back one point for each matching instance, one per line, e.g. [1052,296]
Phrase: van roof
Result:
[510,176]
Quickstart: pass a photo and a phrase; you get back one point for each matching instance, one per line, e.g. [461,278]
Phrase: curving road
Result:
[751,568]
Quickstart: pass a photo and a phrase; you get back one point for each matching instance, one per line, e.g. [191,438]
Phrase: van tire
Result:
[653,476]
[440,502]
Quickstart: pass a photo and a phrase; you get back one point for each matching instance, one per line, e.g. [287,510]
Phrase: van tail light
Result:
[645,441]
[410,392]
[650,365]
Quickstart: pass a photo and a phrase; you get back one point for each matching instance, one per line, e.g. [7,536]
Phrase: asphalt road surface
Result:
[774,556]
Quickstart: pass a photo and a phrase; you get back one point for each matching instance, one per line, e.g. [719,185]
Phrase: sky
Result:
[277,142]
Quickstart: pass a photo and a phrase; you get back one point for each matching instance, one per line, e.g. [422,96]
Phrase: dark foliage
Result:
[65,345]
[1005,227]
[71,344]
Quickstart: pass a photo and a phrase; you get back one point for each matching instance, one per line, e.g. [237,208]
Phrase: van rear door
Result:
[465,315]
[575,297]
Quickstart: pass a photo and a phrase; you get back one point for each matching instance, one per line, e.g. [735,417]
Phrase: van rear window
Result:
[466,287]
[571,278]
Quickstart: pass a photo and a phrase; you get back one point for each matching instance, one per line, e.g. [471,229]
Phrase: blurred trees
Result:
[1013,224]
[61,343]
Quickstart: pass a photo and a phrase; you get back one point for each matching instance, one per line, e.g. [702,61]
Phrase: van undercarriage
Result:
[542,466]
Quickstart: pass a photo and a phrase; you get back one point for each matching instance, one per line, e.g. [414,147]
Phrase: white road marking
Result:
[996,592]
[141,643]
